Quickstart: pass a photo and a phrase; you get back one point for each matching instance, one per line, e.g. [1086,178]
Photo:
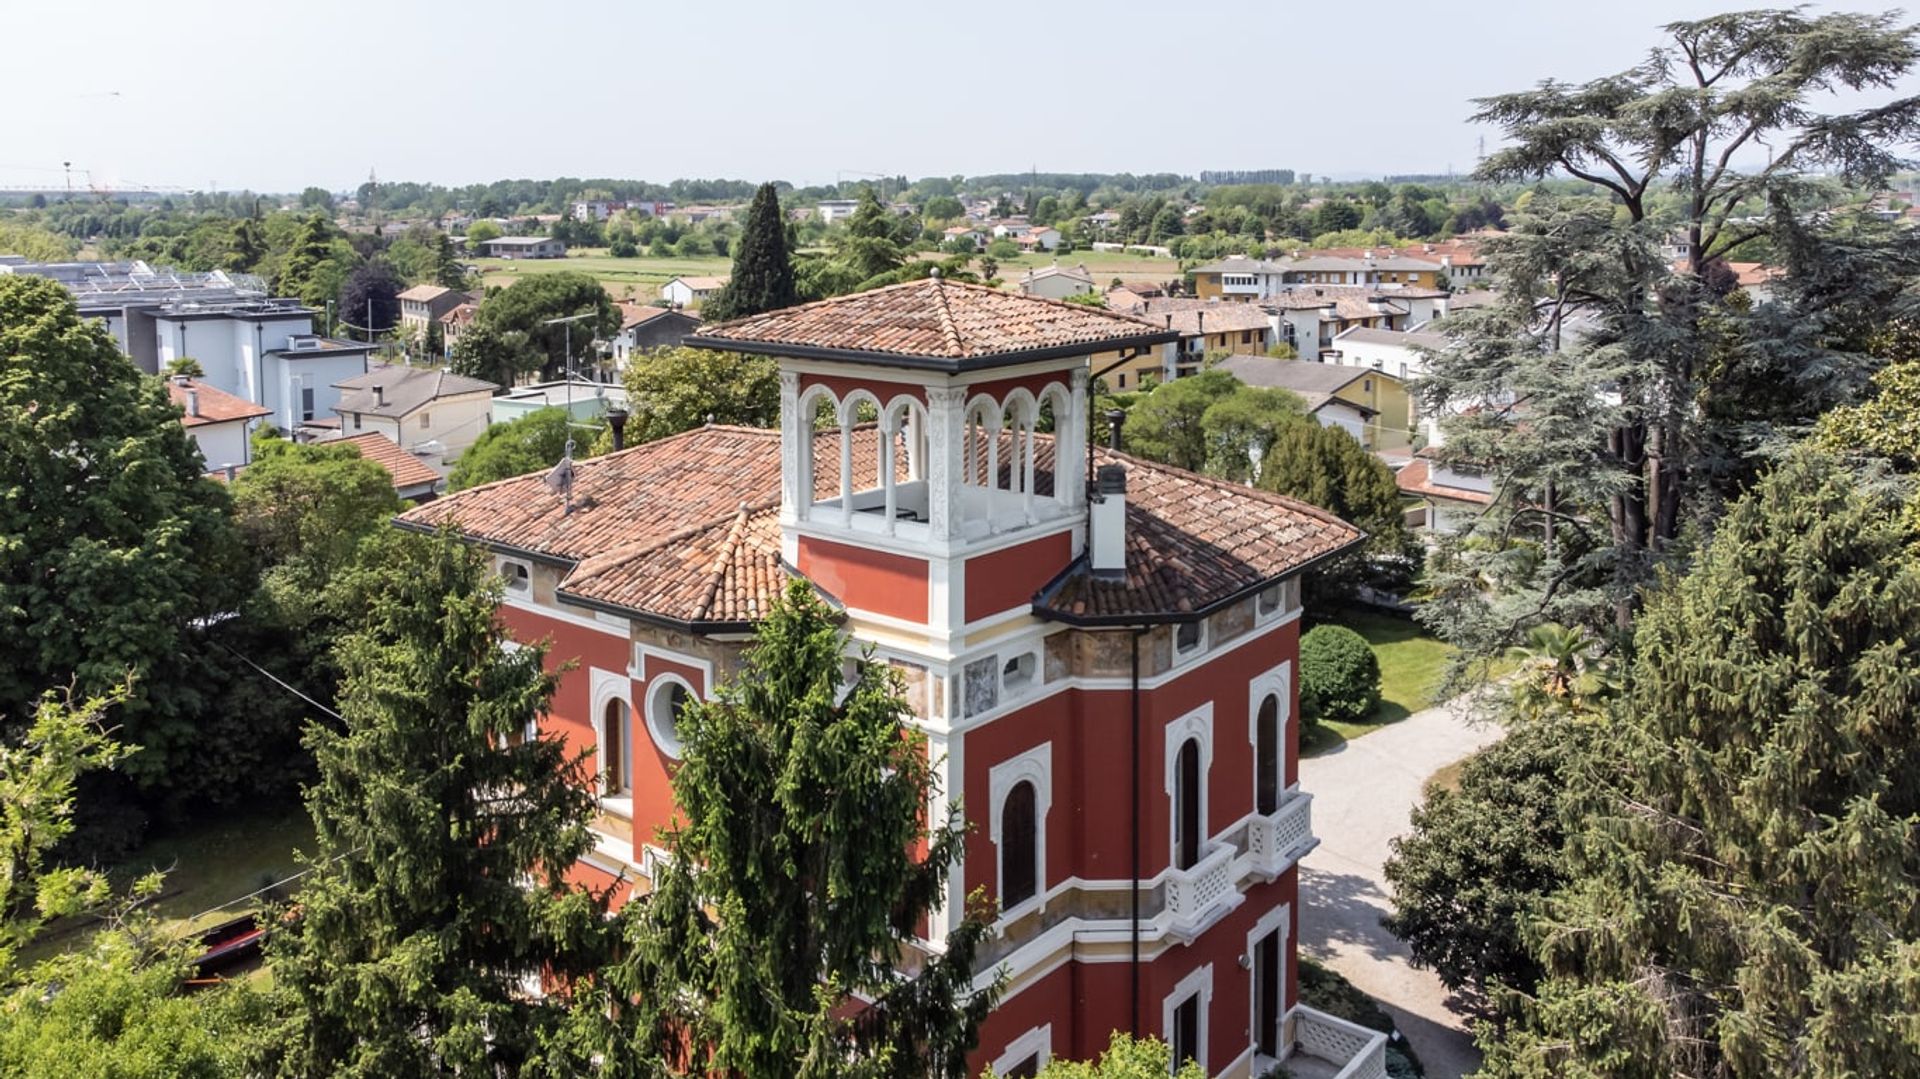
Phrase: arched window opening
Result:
[613,748]
[1266,756]
[665,703]
[1019,847]
[1188,828]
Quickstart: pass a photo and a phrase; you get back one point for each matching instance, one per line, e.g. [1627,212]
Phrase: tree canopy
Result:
[678,389]
[528,444]
[527,308]
[1743,851]
[762,277]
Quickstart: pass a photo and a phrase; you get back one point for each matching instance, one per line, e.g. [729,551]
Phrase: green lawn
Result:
[637,278]
[1412,664]
[207,867]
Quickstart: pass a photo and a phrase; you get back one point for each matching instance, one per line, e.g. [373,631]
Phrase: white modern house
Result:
[688,291]
[264,351]
[1057,282]
[522,247]
[420,408]
[831,210]
[1400,353]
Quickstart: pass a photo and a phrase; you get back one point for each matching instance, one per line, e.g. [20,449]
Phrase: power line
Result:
[276,679]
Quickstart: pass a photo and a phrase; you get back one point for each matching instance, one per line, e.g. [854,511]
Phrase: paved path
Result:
[1363,792]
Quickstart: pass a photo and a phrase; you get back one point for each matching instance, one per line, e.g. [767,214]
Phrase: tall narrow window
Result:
[1019,848]
[1266,756]
[613,748]
[1266,995]
[1186,806]
[1185,1035]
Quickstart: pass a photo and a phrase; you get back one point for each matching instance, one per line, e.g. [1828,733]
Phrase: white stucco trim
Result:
[664,737]
[1197,724]
[1278,682]
[1279,918]
[643,652]
[1034,766]
[1035,1042]
[1199,982]
[605,688]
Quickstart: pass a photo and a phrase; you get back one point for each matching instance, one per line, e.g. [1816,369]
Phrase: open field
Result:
[624,279]
[640,278]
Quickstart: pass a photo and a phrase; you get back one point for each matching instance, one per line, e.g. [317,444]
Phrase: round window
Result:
[668,698]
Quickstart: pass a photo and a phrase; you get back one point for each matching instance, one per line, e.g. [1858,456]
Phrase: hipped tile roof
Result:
[215,405]
[934,319]
[407,470]
[686,530]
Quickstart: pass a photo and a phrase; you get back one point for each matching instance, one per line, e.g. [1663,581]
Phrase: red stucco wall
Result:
[878,581]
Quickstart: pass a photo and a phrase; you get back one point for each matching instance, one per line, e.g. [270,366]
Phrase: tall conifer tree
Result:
[1743,864]
[436,893]
[762,267]
[799,876]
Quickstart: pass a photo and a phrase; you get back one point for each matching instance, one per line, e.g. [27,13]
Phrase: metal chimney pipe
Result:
[193,403]
[1116,419]
[617,422]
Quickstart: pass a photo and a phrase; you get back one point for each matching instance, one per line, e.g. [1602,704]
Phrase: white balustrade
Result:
[1359,1053]
[1193,894]
[1277,840]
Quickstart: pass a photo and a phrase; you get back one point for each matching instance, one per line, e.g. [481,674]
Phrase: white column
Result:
[1070,443]
[795,469]
[846,463]
[946,427]
[889,433]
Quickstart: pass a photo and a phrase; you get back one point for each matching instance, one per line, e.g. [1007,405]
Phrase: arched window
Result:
[613,748]
[1019,847]
[1266,756]
[1187,827]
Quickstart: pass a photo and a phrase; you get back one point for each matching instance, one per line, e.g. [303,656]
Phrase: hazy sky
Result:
[274,97]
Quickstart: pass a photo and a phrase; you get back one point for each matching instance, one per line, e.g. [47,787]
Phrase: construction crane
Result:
[840,177]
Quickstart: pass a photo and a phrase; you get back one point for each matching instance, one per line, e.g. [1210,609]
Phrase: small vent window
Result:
[1186,638]
[517,576]
[1017,675]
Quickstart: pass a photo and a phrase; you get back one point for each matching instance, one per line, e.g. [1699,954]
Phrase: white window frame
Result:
[1037,1042]
[1195,724]
[1199,983]
[1280,918]
[1199,645]
[500,566]
[664,738]
[1034,766]
[605,688]
[1277,681]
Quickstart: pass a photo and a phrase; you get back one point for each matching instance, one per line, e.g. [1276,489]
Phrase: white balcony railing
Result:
[1195,895]
[1358,1053]
[1277,840]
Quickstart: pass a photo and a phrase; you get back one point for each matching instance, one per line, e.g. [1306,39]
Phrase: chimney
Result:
[379,396]
[1107,527]
[1116,419]
[617,422]
[193,403]
[231,472]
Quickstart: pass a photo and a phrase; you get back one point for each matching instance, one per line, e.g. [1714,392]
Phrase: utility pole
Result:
[562,474]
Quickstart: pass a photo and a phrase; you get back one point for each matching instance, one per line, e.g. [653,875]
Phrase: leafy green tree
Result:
[869,245]
[490,354]
[1339,675]
[1480,861]
[1166,225]
[115,544]
[943,208]
[794,883]
[531,443]
[316,198]
[1335,215]
[437,887]
[1744,849]
[424,256]
[314,267]
[1125,1058]
[1242,427]
[34,243]
[762,269]
[527,307]
[480,232]
[678,389]
[1328,467]
[1650,416]
[1167,424]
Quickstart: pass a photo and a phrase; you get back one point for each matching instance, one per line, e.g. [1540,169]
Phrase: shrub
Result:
[1339,675]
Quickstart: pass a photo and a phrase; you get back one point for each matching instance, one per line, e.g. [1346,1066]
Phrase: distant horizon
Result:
[803,93]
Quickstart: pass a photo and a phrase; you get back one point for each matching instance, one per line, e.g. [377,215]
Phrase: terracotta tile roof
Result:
[1417,479]
[953,325]
[1194,542]
[403,389]
[214,404]
[635,314]
[407,470]
[424,293]
[461,314]
[1193,319]
[686,530]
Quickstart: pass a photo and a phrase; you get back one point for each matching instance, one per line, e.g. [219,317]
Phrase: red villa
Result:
[1099,649]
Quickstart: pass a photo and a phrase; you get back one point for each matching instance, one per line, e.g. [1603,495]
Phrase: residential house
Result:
[522,247]
[831,210]
[413,479]
[262,350]
[1308,318]
[1057,282]
[1040,238]
[645,327]
[1373,407]
[1372,268]
[220,423]
[595,210]
[968,233]
[1239,278]
[691,291]
[416,407]
[1400,353]
[424,305]
[456,321]
[694,215]
[582,399]
[125,295]
[1052,636]
[1443,498]
[1204,329]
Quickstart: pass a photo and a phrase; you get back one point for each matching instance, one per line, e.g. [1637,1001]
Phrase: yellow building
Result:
[1373,406]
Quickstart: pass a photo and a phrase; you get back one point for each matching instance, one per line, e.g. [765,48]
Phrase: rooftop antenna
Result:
[561,478]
